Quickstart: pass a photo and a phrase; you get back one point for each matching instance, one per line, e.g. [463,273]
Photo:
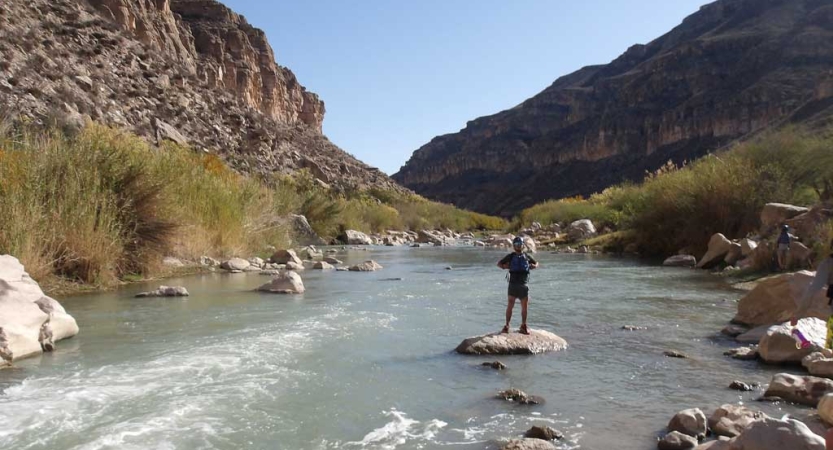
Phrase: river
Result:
[365,360]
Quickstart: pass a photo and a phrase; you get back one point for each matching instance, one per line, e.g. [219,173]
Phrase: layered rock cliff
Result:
[730,70]
[191,71]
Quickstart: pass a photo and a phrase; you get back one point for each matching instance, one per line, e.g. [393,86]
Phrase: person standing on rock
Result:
[518,263]
[783,247]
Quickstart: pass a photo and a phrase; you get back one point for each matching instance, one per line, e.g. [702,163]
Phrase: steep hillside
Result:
[729,70]
[191,71]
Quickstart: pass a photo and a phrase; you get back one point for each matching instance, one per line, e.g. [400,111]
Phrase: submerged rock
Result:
[675,354]
[740,386]
[680,261]
[497,365]
[521,397]
[543,432]
[165,291]
[537,341]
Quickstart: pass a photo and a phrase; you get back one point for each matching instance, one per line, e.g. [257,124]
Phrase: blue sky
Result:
[395,74]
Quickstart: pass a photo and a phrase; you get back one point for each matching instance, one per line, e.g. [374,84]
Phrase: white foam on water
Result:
[163,400]
[399,431]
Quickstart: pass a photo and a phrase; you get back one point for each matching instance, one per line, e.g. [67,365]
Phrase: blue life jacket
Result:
[519,263]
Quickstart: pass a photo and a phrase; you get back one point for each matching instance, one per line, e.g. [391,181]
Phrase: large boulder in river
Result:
[732,420]
[774,299]
[778,346]
[719,246]
[367,266]
[353,237]
[537,341]
[285,256]
[285,283]
[680,261]
[581,230]
[430,237]
[691,422]
[677,441]
[528,444]
[30,322]
[235,264]
[776,214]
[805,390]
[773,434]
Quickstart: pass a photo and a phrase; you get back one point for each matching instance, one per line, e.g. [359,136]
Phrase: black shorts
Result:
[518,290]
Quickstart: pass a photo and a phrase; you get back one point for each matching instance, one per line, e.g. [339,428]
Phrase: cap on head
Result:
[785,227]
[518,242]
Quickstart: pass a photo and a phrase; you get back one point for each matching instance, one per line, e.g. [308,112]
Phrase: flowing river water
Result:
[365,360]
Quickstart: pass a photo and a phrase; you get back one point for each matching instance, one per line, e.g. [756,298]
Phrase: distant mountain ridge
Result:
[191,71]
[732,69]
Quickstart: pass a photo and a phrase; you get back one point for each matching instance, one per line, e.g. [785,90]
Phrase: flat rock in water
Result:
[543,432]
[521,397]
[165,291]
[528,444]
[675,354]
[537,341]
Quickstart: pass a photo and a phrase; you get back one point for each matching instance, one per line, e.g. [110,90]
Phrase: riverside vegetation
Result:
[680,207]
[96,206]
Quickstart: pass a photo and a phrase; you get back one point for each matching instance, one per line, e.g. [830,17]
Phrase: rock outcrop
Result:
[187,71]
[777,346]
[537,341]
[774,299]
[805,390]
[729,70]
[773,434]
[30,322]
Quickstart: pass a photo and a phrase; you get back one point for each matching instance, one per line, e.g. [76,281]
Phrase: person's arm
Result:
[533,264]
[504,263]
[806,300]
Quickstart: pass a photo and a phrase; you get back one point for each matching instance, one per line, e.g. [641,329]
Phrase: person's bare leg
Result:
[524,303]
[524,329]
[510,305]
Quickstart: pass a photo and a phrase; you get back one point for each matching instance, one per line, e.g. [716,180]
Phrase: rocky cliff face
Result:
[732,69]
[191,71]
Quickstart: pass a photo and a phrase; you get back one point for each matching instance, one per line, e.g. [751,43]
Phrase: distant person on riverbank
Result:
[824,277]
[518,263]
[783,247]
